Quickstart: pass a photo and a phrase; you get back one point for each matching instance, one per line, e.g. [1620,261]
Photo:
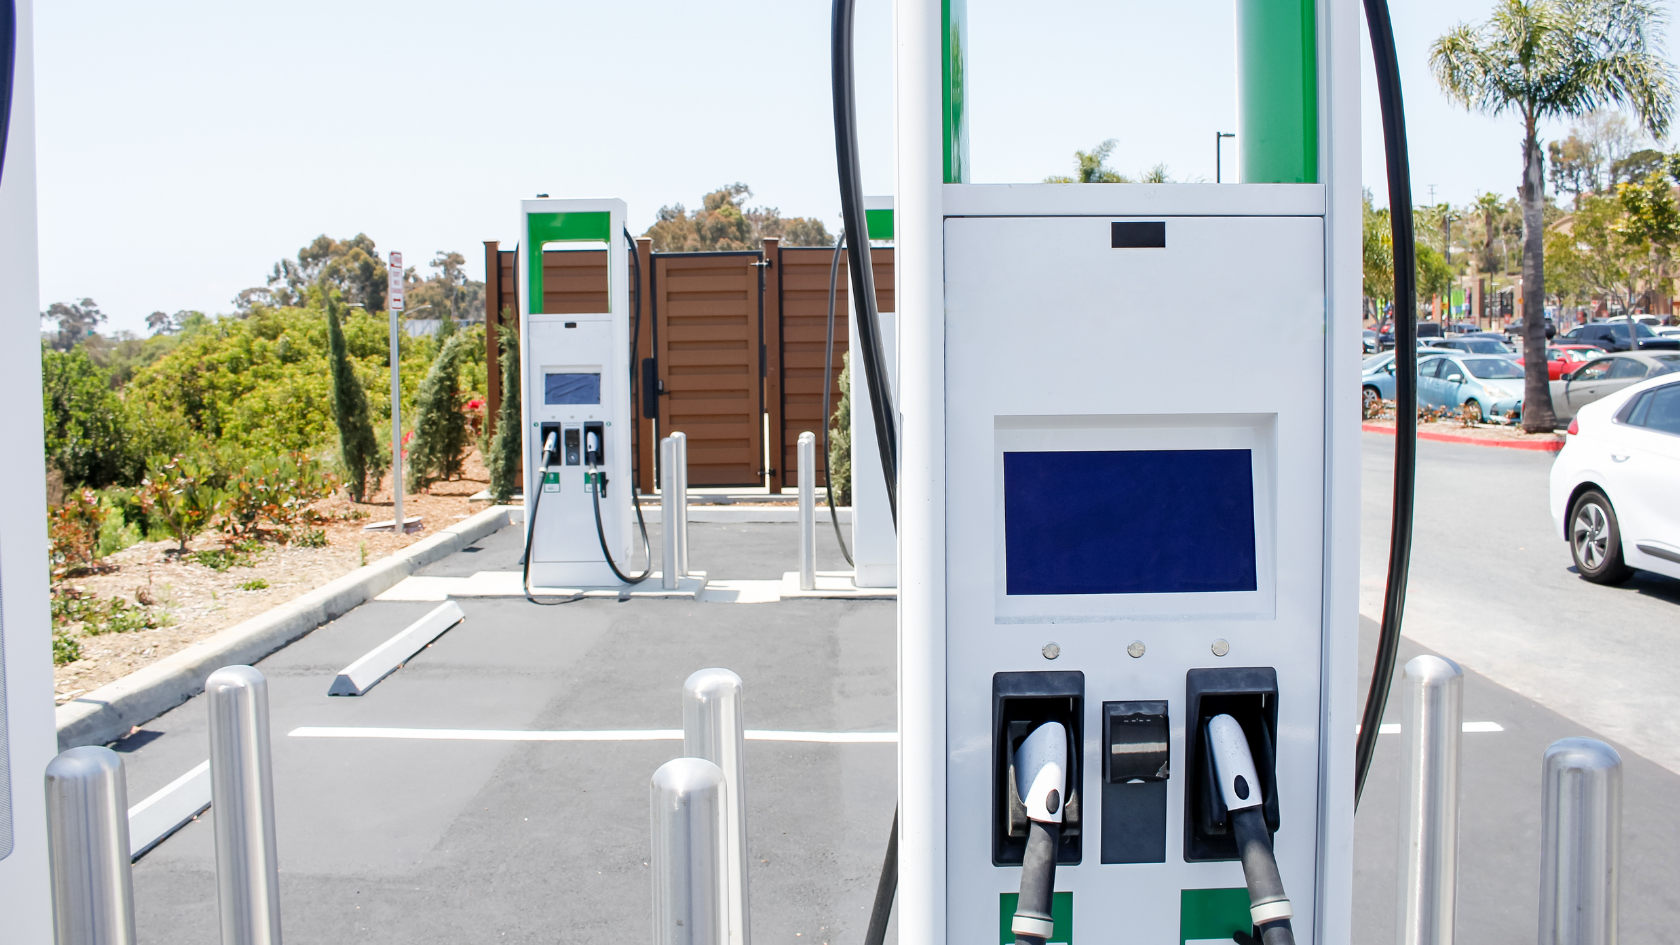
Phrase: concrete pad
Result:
[742,592]
[387,657]
[835,584]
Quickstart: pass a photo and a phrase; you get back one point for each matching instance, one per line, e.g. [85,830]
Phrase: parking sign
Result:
[395,292]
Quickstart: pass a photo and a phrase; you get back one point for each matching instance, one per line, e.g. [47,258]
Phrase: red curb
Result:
[1538,446]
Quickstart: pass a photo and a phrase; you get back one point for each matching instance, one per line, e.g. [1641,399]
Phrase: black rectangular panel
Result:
[1134,784]
[1152,235]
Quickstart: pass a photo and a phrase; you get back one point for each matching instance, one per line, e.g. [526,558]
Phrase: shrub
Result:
[254,584]
[92,437]
[242,554]
[117,532]
[308,538]
[840,438]
[507,446]
[181,497]
[440,428]
[73,531]
[277,490]
[95,616]
[358,450]
[66,648]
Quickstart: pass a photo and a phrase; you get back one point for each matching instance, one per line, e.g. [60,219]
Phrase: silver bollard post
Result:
[807,511]
[668,528]
[714,729]
[687,800]
[1580,842]
[681,440]
[242,806]
[1432,712]
[87,843]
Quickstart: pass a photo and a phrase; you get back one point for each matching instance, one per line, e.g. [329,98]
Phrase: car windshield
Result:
[1485,346]
[1491,369]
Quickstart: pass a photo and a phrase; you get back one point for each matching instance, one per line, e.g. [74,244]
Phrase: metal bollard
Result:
[87,843]
[681,440]
[1580,842]
[1432,711]
[714,729]
[687,800]
[242,802]
[807,511]
[668,513]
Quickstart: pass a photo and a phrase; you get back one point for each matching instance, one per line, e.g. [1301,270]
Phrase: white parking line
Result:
[1469,728]
[622,735]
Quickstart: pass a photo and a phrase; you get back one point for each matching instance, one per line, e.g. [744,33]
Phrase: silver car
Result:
[1601,377]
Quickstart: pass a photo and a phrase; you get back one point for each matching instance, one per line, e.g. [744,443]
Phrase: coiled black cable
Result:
[1405,383]
[828,376]
[8,70]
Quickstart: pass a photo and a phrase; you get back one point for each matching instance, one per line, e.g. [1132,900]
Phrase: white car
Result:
[1615,483]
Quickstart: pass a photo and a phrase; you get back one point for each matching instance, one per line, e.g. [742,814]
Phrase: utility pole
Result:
[394,295]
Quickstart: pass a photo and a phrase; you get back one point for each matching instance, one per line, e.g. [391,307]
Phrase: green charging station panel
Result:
[1212,914]
[1061,912]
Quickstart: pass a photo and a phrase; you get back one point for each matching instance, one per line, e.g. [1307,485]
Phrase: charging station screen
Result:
[1129,522]
[571,389]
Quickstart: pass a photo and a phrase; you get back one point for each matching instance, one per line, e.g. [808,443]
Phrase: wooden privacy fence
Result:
[731,348]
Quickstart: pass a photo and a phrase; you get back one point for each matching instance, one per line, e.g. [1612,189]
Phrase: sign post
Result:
[394,303]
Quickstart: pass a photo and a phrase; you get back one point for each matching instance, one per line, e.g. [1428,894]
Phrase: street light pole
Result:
[1218,148]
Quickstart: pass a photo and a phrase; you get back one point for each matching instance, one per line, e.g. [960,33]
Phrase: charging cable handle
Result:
[1239,787]
[1041,780]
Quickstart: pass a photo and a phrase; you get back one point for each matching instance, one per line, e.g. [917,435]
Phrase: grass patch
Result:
[254,584]
[240,554]
[309,538]
[96,616]
[66,649]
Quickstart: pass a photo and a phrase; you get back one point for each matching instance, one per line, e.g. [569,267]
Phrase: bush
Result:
[73,531]
[507,446]
[181,497]
[117,532]
[95,616]
[840,438]
[242,554]
[92,436]
[358,450]
[66,648]
[277,490]
[440,428]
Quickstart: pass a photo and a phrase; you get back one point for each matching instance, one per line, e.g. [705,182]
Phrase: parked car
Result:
[1601,377]
[1561,359]
[1470,344]
[1515,329]
[1614,336]
[1670,332]
[1486,388]
[1612,486]
[1370,342]
[1425,331]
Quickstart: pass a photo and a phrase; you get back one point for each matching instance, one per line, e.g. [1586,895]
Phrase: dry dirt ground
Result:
[198,601]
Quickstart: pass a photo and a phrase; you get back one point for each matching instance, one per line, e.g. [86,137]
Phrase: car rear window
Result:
[1658,409]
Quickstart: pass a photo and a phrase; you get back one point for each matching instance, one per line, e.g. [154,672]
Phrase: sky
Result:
[185,146]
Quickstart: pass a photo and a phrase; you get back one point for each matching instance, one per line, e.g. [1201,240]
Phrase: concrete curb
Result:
[107,713]
[1540,446]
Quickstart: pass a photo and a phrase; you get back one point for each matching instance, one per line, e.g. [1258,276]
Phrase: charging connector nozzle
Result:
[1240,788]
[1041,779]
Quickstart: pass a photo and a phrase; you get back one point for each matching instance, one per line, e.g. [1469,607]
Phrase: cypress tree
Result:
[506,447]
[840,438]
[440,428]
[358,450]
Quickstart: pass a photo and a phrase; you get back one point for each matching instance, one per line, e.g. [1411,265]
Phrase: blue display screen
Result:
[1129,522]
[571,389]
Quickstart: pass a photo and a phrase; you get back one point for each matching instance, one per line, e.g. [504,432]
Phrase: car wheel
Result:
[1371,403]
[1472,411]
[1595,540]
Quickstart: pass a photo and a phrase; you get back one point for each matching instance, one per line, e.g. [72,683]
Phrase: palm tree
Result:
[1092,167]
[1552,59]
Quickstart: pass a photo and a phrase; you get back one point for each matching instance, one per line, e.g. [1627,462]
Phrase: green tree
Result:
[506,447]
[1091,167]
[89,436]
[448,290]
[1551,59]
[724,223]
[1434,276]
[440,439]
[75,321]
[1378,240]
[350,266]
[358,450]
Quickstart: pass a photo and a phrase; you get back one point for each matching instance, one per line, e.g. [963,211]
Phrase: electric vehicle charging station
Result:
[874,540]
[1131,555]
[27,738]
[576,403]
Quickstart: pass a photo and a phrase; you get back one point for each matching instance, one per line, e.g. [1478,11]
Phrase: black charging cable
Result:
[550,446]
[1405,384]
[600,489]
[8,70]
[828,376]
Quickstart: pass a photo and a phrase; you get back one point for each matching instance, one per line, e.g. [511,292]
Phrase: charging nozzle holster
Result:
[1249,695]
[1021,702]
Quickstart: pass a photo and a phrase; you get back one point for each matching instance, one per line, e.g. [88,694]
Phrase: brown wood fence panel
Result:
[707,310]
[804,274]
[647,443]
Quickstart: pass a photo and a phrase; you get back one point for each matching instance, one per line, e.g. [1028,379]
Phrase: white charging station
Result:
[874,538]
[27,740]
[574,368]
[1130,546]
